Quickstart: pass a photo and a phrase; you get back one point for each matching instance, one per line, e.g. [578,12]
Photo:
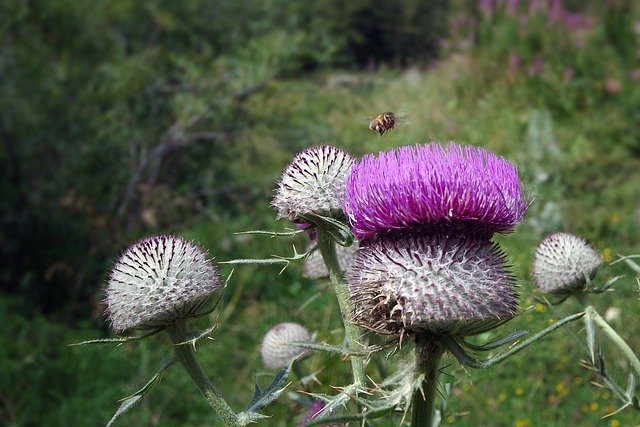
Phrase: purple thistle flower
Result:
[415,186]
[446,281]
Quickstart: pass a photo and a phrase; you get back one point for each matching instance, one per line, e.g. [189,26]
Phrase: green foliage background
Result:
[123,119]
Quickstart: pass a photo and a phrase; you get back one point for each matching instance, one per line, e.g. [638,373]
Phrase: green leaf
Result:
[498,342]
[131,400]
[125,405]
[118,340]
[261,398]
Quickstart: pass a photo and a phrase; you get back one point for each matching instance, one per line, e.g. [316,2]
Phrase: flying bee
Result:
[385,122]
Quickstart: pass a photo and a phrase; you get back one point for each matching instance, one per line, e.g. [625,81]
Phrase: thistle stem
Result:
[352,332]
[428,354]
[611,334]
[186,355]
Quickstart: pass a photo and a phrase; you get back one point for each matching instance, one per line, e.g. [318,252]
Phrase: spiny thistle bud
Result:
[313,183]
[420,185]
[563,262]
[277,350]
[444,281]
[157,281]
[314,266]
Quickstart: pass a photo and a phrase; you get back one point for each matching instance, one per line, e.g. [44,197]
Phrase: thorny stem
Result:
[186,355]
[428,354]
[611,333]
[352,332]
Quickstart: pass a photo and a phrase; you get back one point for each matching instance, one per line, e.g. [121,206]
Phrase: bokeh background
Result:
[125,119]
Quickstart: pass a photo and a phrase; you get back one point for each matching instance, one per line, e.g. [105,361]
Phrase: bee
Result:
[383,122]
[386,121]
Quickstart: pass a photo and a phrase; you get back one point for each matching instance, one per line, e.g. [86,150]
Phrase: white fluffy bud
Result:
[313,183]
[277,350]
[563,262]
[157,281]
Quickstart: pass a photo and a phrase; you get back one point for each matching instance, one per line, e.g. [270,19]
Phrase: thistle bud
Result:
[277,349]
[157,281]
[563,263]
[415,186]
[313,183]
[445,281]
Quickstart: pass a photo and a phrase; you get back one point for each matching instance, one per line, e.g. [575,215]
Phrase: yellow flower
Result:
[502,397]
[450,419]
[519,391]
[614,423]
[607,255]
[540,308]
[578,380]
[594,406]
[523,423]
[615,218]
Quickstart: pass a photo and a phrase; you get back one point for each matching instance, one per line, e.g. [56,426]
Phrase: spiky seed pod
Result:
[313,183]
[446,281]
[157,281]
[276,348]
[314,266]
[563,262]
[413,186]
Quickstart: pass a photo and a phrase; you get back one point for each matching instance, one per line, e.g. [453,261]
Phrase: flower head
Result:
[563,263]
[313,183]
[157,281]
[414,186]
[277,350]
[447,281]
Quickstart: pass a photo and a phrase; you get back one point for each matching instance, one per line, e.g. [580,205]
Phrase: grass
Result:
[570,159]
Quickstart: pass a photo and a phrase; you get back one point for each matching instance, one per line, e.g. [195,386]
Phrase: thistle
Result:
[426,265]
[277,350]
[426,215]
[564,263]
[313,183]
[158,281]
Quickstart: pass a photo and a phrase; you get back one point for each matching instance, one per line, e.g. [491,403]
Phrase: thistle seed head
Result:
[277,350]
[413,186]
[313,183]
[563,263]
[445,281]
[157,281]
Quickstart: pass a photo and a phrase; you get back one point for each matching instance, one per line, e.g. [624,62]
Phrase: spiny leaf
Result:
[499,342]
[125,405]
[261,398]
[118,340]
[130,401]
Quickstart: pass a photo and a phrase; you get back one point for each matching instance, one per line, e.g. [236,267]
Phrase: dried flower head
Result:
[277,350]
[157,281]
[313,183]
[314,266]
[446,281]
[563,263]
[413,186]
